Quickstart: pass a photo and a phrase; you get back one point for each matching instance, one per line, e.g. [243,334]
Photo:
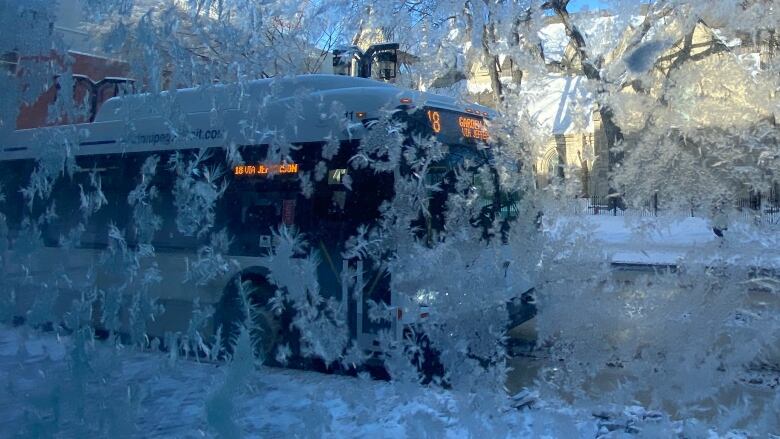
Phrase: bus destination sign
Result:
[265,170]
[453,124]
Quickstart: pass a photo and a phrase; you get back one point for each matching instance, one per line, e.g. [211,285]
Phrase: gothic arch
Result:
[551,165]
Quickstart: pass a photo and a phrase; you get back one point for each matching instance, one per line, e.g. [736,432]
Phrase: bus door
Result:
[369,190]
[327,231]
[345,201]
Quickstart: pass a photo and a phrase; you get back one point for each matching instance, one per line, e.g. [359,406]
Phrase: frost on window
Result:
[146,222]
[135,244]
[211,260]
[197,188]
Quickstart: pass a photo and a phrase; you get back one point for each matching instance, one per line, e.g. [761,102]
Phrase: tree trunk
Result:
[612,132]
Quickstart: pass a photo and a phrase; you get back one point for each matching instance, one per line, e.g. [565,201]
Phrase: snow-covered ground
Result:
[670,240]
[141,394]
[126,393]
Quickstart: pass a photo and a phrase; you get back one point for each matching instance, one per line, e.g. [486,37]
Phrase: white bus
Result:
[242,129]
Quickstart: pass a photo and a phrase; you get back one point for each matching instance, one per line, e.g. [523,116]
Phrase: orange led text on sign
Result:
[281,168]
[473,128]
[435,118]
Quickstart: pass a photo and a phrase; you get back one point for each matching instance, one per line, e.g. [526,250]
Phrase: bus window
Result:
[251,218]
[260,215]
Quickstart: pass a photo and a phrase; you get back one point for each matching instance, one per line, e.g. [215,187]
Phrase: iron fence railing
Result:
[757,208]
[760,208]
[615,206]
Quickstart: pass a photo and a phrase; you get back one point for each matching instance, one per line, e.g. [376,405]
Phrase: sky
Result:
[577,5]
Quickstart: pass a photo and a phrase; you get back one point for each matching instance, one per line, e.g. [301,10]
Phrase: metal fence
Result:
[757,208]
[615,206]
[760,208]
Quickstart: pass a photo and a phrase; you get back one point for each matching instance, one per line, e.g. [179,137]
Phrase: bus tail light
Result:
[406,100]
[399,313]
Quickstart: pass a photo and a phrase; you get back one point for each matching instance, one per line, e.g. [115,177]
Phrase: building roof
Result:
[559,104]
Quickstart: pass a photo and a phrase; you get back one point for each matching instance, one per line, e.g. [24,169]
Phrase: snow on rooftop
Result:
[559,104]
[601,34]
[554,41]
[729,42]
[476,87]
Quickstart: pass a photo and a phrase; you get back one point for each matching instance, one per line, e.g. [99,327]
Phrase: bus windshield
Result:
[469,159]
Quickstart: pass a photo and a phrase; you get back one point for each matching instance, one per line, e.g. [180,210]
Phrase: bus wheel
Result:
[269,331]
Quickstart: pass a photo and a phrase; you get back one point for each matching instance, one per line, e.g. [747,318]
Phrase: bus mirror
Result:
[387,62]
[342,62]
[385,56]
[346,61]
[351,61]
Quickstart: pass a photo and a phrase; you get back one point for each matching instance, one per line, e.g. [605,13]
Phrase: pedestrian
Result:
[719,221]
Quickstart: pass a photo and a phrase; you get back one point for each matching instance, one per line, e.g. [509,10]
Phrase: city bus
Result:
[209,180]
